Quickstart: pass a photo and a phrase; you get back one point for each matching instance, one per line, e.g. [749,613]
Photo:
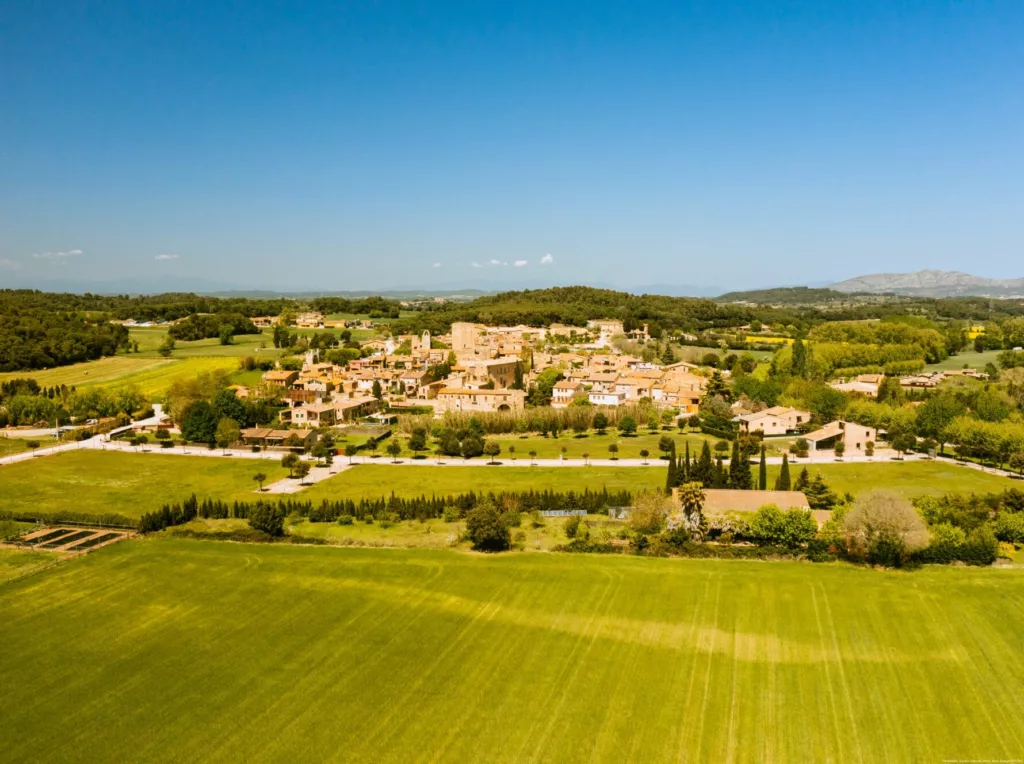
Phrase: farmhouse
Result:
[854,436]
[717,500]
[778,420]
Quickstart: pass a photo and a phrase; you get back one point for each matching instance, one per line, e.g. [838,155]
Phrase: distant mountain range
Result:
[932,283]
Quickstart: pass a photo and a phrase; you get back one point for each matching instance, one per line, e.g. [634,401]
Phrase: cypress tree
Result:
[670,476]
[782,482]
[686,466]
[704,471]
[762,472]
[739,469]
[720,478]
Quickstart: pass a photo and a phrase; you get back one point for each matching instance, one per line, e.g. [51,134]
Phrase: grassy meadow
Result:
[11,446]
[152,376]
[97,482]
[969,359]
[374,480]
[174,650]
[151,373]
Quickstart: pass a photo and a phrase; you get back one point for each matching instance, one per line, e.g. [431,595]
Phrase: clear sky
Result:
[350,145]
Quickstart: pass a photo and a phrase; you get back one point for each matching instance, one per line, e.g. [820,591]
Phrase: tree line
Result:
[450,507]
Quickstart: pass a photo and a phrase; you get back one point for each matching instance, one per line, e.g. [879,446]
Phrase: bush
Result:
[772,526]
[486,529]
[884,528]
[572,526]
[268,518]
[346,520]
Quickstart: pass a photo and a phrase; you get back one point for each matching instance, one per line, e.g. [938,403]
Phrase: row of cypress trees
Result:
[715,474]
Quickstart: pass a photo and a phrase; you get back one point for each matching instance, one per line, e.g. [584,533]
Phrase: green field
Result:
[924,478]
[376,480]
[153,376]
[971,360]
[96,482]
[174,650]
[149,372]
[596,445]
[150,339]
[17,562]
[9,446]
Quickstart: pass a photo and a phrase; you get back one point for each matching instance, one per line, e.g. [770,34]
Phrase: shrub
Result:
[346,520]
[649,512]
[884,528]
[772,526]
[572,526]
[486,529]
[268,518]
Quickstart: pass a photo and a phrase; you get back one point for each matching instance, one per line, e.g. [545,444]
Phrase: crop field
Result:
[152,376]
[176,650]
[97,482]
[149,372]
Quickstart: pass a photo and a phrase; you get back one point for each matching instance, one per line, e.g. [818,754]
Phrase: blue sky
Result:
[382,144]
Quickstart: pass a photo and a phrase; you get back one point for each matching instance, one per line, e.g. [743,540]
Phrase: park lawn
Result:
[98,482]
[146,647]
[970,360]
[376,480]
[914,478]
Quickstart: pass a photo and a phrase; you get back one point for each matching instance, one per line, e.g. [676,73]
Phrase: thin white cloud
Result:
[547,259]
[57,255]
[5,263]
[475,265]
[520,263]
[495,262]
[167,257]
[436,265]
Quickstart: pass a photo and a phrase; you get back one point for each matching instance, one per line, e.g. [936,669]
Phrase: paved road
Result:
[343,462]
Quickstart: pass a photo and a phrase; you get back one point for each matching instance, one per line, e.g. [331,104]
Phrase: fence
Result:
[563,513]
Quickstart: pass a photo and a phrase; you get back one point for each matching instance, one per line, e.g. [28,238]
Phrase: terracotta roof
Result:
[726,500]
